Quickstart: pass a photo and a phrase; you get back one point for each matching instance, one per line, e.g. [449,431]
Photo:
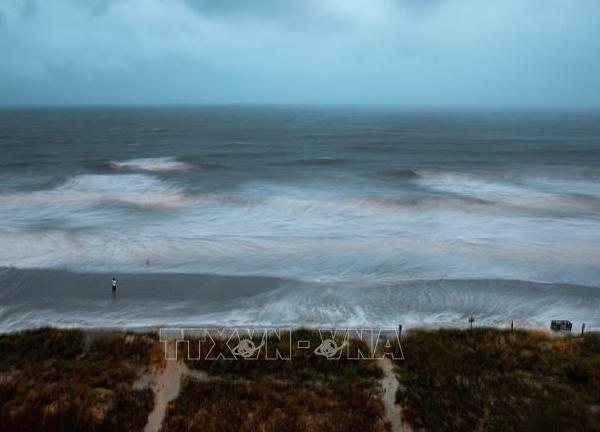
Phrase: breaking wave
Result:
[157,165]
[91,189]
[80,299]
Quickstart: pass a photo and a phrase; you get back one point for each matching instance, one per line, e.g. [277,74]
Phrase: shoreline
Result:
[37,298]
[155,330]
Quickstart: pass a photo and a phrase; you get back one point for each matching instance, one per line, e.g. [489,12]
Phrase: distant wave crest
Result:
[158,165]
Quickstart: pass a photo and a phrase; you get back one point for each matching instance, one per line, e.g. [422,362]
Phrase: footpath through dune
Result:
[166,384]
[389,384]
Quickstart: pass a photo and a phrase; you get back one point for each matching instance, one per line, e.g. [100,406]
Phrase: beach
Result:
[34,298]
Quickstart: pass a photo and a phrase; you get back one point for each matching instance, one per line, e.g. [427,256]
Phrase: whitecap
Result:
[88,189]
[159,164]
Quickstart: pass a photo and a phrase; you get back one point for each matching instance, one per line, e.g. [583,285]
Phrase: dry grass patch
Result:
[488,379]
[69,380]
[307,393]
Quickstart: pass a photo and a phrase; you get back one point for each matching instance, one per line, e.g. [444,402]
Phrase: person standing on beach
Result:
[114,285]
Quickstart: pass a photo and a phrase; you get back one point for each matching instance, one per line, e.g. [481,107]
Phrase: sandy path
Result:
[389,383]
[166,385]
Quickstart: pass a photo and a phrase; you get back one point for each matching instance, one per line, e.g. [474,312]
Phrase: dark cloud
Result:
[288,9]
[99,7]
[432,52]
[28,9]
[248,7]
[419,5]
[292,14]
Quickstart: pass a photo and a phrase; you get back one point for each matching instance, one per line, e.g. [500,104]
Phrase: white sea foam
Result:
[90,189]
[512,193]
[415,303]
[288,232]
[472,185]
[295,231]
[159,164]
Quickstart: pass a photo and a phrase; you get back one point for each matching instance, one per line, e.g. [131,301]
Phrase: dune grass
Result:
[459,380]
[307,393]
[305,364]
[68,380]
[497,380]
[268,405]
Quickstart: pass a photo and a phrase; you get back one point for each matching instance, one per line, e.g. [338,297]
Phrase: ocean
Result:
[277,216]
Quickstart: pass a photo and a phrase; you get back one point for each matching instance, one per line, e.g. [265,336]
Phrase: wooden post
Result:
[399,331]
[582,328]
[512,325]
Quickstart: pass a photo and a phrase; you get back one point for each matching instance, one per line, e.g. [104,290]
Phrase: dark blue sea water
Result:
[289,215]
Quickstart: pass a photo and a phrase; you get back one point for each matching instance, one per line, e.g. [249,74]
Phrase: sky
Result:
[399,52]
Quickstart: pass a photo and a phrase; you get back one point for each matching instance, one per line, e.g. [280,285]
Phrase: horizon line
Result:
[363,105]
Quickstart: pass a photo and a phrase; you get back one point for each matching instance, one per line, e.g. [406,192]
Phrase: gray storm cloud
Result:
[406,52]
